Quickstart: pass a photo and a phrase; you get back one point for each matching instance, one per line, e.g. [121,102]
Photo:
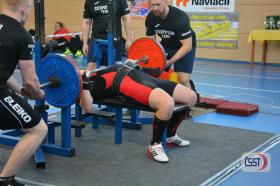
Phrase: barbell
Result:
[62,82]
[156,58]
[53,82]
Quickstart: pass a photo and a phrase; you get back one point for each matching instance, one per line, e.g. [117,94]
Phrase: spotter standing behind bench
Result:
[16,46]
[172,25]
[138,87]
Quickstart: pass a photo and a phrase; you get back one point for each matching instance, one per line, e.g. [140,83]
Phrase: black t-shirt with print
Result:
[97,10]
[172,29]
[15,44]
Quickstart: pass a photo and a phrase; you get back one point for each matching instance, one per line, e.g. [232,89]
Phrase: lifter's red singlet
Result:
[136,86]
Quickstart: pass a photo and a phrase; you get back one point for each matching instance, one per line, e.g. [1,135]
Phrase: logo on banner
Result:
[205,5]
[210,2]
[184,2]
[257,162]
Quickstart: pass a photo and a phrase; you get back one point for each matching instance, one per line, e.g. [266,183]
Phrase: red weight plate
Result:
[149,48]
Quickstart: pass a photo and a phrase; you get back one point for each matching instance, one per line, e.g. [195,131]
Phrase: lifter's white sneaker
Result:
[176,141]
[157,153]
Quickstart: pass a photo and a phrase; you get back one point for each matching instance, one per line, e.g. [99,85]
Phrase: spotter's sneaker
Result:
[156,152]
[176,141]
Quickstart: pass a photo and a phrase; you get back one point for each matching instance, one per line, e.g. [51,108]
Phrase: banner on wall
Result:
[205,5]
[139,9]
[215,30]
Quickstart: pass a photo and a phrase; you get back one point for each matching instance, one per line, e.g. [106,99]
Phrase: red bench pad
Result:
[234,108]
[211,102]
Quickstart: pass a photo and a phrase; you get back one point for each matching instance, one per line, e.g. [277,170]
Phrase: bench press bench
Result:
[118,104]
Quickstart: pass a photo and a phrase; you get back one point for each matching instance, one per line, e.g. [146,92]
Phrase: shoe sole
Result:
[150,156]
[170,145]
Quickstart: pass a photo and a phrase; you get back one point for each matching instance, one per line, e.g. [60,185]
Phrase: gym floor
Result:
[239,82]
[242,82]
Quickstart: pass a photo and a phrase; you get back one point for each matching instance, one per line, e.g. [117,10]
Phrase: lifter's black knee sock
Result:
[158,129]
[176,119]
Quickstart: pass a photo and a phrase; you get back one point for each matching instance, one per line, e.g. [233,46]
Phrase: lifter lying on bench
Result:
[137,87]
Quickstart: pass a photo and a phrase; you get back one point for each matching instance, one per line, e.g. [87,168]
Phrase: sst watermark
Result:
[256,162]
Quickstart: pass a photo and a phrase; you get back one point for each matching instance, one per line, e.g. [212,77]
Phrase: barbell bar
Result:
[53,82]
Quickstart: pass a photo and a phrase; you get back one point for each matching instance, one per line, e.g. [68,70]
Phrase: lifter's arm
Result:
[86,101]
